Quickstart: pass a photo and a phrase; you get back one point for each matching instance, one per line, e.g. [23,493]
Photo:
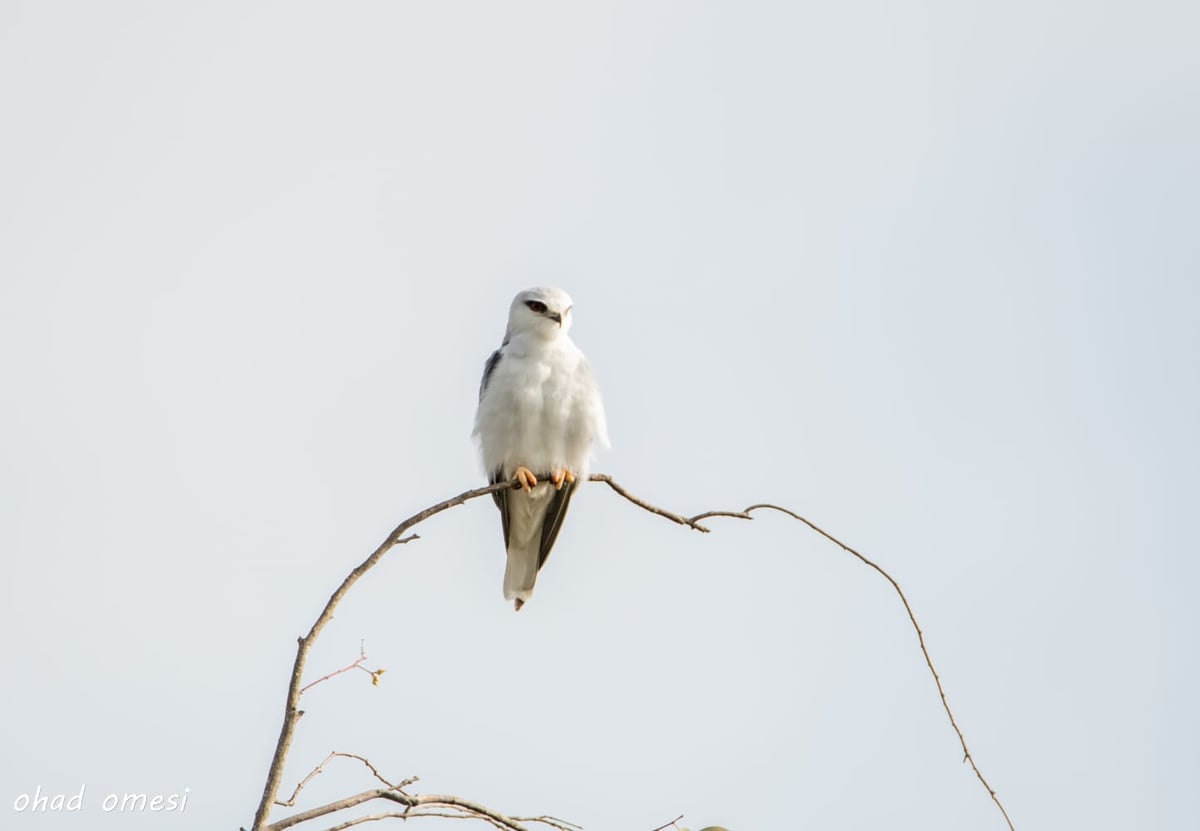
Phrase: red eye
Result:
[535,306]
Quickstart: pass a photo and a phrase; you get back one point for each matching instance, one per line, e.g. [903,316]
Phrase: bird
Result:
[538,418]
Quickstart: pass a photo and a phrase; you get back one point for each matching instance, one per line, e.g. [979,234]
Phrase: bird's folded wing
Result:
[556,511]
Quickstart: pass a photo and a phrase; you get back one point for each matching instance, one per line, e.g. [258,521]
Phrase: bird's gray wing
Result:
[488,368]
[500,497]
[556,512]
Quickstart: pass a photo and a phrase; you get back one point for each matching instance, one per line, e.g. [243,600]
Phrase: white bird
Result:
[539,414]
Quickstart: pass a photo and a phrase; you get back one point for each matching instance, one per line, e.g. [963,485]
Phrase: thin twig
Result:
[299,787]
[553,822]
[399,786]
[694,522]
[358,664]
[641,503]
[670,824]
[967,757]
[368,818]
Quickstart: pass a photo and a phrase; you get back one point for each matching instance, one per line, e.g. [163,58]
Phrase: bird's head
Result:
[542,311]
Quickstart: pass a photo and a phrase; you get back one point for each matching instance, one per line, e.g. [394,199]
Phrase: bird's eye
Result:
[536,306]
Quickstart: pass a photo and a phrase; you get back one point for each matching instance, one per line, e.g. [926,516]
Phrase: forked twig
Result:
[670,824]
[357,664]
[320,768]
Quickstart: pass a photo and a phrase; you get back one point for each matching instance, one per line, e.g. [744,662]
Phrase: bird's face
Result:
[542,311]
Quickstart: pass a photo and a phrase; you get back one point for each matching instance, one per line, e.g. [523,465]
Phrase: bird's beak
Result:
[557,318]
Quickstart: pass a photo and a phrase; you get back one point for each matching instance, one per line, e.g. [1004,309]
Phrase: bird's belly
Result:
[542,420]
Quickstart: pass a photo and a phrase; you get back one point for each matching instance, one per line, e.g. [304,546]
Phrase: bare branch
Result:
[451,813]
[328,808]
[318,769]
[358,664]
[670,824]
[448,807]
[553,822]
[423,804]
[338,754]
[693,522]
[396,786]
[368,818]
[967,757]
[473,808]
[292,712]
[405,815]
[654,509]
[414,805]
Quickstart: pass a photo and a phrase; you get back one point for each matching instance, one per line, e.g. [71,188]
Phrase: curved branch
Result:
[967,757]
[292,712]
[412,808]
[694,522]
[654,509]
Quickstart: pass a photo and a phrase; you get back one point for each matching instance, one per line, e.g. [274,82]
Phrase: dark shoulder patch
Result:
[492,362]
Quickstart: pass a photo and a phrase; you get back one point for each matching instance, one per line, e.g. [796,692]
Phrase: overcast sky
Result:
[925,273]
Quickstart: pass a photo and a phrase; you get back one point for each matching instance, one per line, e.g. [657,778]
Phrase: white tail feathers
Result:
[526,513]
[520,573]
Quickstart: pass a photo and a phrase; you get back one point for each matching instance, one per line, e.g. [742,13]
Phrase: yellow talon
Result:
[560,476]
[525,476]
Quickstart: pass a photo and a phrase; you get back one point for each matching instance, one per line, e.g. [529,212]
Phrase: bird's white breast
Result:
[539,409]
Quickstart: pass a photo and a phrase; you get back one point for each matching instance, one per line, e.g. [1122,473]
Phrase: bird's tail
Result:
[525,518]
[520,573]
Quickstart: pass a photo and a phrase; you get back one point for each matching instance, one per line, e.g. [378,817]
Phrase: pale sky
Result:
[925,273]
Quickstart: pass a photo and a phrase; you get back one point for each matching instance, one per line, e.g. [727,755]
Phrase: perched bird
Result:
[539,414]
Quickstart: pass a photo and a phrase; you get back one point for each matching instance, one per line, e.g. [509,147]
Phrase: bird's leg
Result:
[525,476]
[560,476]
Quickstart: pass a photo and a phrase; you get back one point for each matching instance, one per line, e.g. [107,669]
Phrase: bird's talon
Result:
[526,477]
[558,477]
